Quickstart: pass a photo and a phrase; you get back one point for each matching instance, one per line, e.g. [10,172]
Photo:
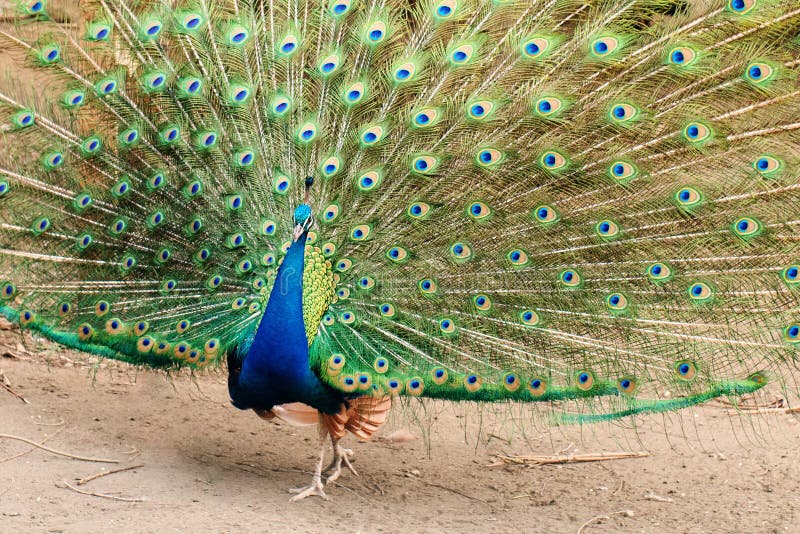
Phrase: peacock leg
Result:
[316,487]
[340,456]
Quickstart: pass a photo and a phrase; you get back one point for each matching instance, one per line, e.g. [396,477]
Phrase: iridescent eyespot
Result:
[328,319]
[685,369]
[478,211]
[40,225]
[23,119]
[206,140]
[366,283]
[427,286]
[328,249]
[369,180]
[281,184]
[190,86]
[767,165]
[162,256]
[482,302]
[418,210]
[259,283]
[381,365]
[548,106]
[529,317]
[244,266]
[603,47]
[741,7]
[306,132]
[682,56]
[570,278]
[140,327]
[445,10]
[375,33]
[697,132]
[211,346]
[82,201]
[347,317]
[330,213]
[344,265]
[447,326]
[237,35]
[64,308]
[338,8]
[394,386]
[537,387]
[238,303]
[480,110]
[239,94]
[354,93]
[397,254]
[425,118]
[553,160]
[154,81]
[545,214]
[156,219]
[700,292]
[182,326]
[623,113]
[202,255]
[53,160]
[460,252]
[364,381]
[659,272]
[151,29]
[190,22]
[489,157]
[85,331]
[73,99]
[101,308]
[424,164]
[328,65]
[330,166]
[404,72]
[386,310]
[168,285]
[607,229]
[280,106]
[439,376]
[214,281]
[627,385]
[584,380]
[106,86]
[622,171]
[511,382]
[49,54]
[461,54]
[517,257]
[34,7]
[747,227]
[759,72]
[372,135]
[472,383]
[792,333]
[688,197]
[360,232]
[415,386]
[288,46]
[791,274]
[616,302]
[83,241]
[535,47]
[8,291]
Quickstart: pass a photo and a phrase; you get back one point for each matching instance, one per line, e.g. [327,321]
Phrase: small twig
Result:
[83,481]
[658,498]
[102,495]
[10,390]
[8,488]
[434,485]
[626,513]
[23,453]
[59,453]
[60,422]
[568,459]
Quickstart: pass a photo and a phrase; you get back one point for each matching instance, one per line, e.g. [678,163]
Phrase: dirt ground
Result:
[207,467]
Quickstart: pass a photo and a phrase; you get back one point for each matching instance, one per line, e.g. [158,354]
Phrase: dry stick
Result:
[59,453]
[102,495]
[23,453]
[83,481]
[17,395]
[626,513]
[569,459]
[440,486]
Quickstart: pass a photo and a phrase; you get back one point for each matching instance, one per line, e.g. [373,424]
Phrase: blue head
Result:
[303,220]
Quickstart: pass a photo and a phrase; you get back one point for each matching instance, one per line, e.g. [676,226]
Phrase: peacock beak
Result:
[300,229]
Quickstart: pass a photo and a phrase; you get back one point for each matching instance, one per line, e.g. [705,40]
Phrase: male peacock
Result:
[587,204]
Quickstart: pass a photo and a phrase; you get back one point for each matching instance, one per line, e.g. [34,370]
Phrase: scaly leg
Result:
[316,487]
[340,455]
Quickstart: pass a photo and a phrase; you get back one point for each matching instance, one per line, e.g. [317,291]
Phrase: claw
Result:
[340,456]
[315,489]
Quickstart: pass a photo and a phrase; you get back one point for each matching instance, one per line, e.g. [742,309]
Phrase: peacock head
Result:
[303,220]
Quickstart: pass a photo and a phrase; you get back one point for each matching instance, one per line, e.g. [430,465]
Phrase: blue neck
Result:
[276,369]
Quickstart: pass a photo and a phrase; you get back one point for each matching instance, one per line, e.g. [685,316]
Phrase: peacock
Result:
[591,205]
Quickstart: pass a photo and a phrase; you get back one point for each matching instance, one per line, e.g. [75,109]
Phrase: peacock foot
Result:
[340,456]
[315,489]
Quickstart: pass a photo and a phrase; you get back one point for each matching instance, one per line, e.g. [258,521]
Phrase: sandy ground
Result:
[206,467]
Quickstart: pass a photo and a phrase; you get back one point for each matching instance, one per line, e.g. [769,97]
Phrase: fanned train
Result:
[580,203]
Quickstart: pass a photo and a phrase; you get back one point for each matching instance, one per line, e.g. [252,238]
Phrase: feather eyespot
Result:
[546,215]
[397,254]
[482,302]
[700,292]
[445,10]
[338,8]
[553,160]
[659,272]
[747,227]
[478,211]
[375,33]
[472,383]
[529,317]
[480,110]
[330,166]
[369,181]
[394,386]
[387,310]
[537,387]
[697,132]
[439,376]
[415,386]
[627,385]
[427,286]
[418,210]
[759,72]
[570,278]
[381,365]
[424,165]
[535,47]
[767,165]
[404,72]
[360,232]
[280,106]
[688,197]
[607,230]
[791,274]
[8,291]
[617,303]
[741,7]
[489,157]
[603,47]
[511,382]
[682,56]
[517,258]
[685,369]
[584,380]
[548,106]
[460,252]
[288,45]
